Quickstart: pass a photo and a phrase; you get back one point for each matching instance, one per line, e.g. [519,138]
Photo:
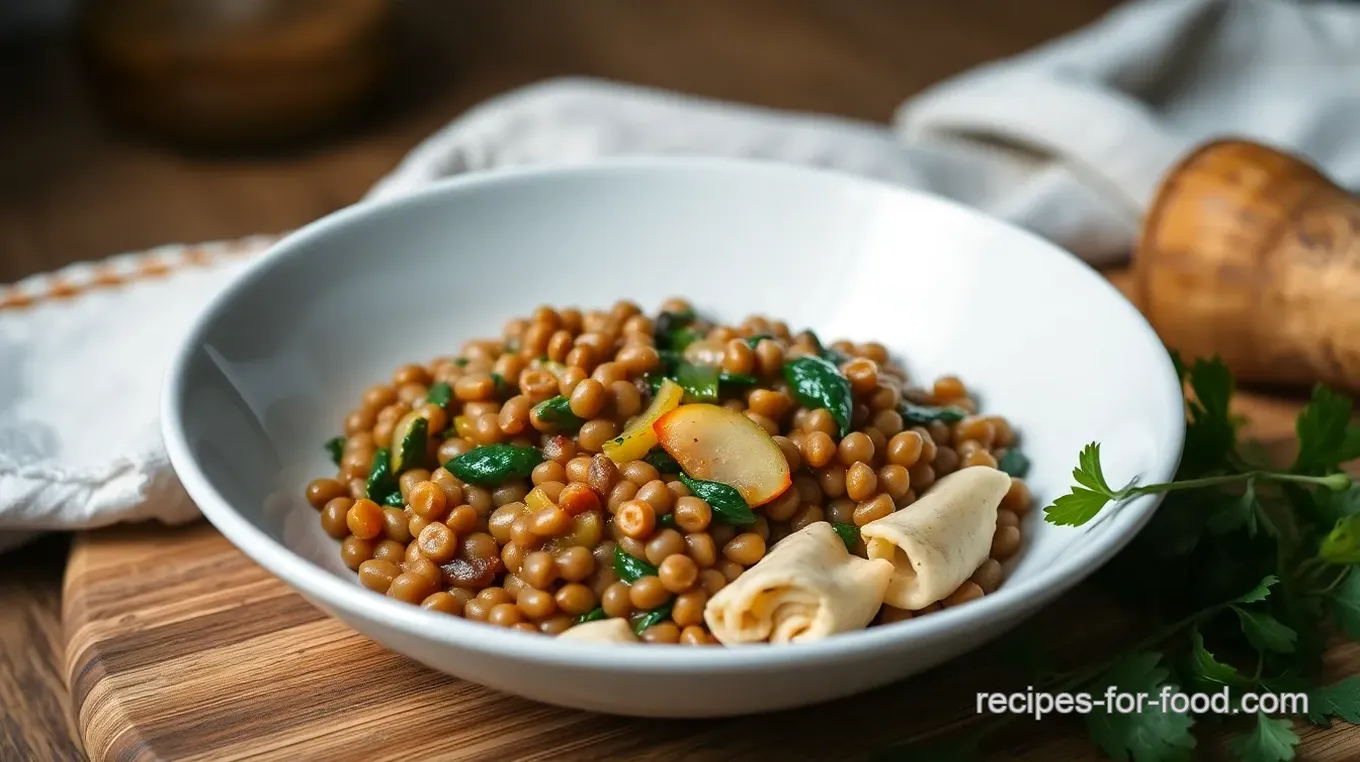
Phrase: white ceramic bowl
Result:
[274,362]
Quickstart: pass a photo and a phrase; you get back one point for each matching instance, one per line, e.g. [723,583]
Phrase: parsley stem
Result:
[1336,581]
[1337,481]
[1310,566]
[1166,632]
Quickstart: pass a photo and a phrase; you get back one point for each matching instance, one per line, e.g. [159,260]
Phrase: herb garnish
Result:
[557,411]
[494,464]
[725,500]
[849,534]
[1241,574]
[440,394]
[336,447]
[381,485]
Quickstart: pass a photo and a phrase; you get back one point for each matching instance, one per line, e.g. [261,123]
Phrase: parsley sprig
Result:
[1085,501]
[1241,575]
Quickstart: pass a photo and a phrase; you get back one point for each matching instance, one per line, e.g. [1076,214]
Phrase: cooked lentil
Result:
[537,549]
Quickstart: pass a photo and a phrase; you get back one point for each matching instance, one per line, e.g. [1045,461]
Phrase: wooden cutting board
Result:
[178,647]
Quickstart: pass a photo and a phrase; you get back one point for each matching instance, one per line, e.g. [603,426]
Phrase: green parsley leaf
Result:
[1322,431]
[1329,506]
[1207,670]
[382,483]
[630,568]
[1340,700]
[655,616]
[1260,592]
[726,501]
[1014,462]
[1088,472]
[1346,605]
[1270,741]
[593,615]
[1075,508]
[556,411]
[440,394]
[1342,544]
[1212,383]
[1277,518]
[1265,632]
[1350,446]
[920,415]
[671,330]
[1210,433]
[1232,513]
[1147,736]
[849,534]
[662,461]
[495,464]
[833,356]
[754,341]
[736,379]
[336,447]
[1286,683]
[816,383]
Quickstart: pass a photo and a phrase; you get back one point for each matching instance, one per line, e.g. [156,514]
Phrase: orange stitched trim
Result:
[12,299]
[153,268]
[151,264]
[60,289]
[197,256]
[105,276]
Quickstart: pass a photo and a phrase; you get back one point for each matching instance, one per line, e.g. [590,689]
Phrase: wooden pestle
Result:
[1254,255]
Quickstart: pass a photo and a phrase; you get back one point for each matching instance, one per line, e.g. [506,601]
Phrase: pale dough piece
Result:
[808,587]
[937,542]
[613,630]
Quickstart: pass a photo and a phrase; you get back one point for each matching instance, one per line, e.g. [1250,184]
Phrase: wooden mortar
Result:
[1254,255]
[235,74]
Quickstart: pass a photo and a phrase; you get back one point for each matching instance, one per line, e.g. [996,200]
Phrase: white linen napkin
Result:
[1068,140]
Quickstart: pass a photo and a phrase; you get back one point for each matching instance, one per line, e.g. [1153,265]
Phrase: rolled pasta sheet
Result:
[602,631]
[806,588]
[937,542]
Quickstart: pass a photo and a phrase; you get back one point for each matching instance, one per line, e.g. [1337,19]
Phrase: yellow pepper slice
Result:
[537,498]
[399,433]
[639,439]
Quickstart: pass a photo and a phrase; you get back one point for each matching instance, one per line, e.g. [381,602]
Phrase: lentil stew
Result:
[609,465]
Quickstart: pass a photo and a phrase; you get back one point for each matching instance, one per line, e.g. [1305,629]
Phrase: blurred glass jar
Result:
[235,74]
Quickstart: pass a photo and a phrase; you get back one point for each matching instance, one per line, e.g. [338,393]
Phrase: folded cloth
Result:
[1068,140]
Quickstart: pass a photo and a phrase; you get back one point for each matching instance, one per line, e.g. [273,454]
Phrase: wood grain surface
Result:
[35,721]
[180,648]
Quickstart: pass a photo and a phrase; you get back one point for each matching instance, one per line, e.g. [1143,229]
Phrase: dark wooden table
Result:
[73,189]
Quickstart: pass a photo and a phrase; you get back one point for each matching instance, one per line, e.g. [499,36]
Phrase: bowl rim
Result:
[318,585]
